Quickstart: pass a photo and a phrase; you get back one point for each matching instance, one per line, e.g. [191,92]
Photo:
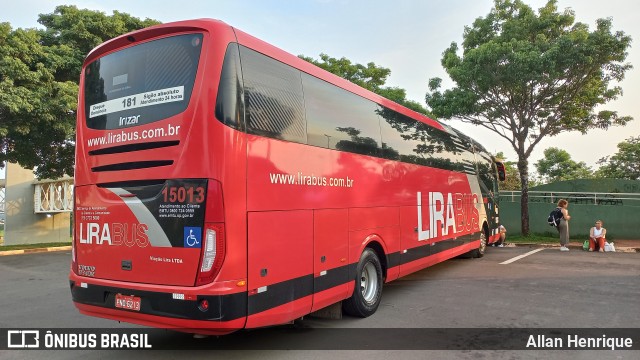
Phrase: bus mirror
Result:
[502,174]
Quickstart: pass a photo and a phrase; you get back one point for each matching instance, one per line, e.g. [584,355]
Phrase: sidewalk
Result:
[620,245]
[36,250]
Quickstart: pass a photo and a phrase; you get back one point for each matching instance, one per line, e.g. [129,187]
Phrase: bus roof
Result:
[311,69]
[260,46]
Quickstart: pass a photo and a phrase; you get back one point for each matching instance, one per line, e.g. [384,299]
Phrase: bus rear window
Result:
[141,84]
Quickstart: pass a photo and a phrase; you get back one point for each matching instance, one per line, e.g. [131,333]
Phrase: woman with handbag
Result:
[563,225]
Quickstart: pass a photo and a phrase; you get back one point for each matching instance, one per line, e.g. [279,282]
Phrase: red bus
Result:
[222,183]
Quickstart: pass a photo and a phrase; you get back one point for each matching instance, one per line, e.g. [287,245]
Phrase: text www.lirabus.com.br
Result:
[309,180]
[124,136]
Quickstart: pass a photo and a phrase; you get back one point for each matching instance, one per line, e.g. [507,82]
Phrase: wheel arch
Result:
[377,247]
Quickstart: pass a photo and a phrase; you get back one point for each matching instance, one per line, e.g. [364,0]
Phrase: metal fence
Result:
[582,198]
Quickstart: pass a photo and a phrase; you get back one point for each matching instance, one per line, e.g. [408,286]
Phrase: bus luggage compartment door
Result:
[280,264]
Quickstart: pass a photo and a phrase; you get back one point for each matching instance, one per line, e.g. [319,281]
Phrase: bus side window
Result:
[414,142]
[463,158]
[230,103]
[401,140]
[338,119]
[273,96]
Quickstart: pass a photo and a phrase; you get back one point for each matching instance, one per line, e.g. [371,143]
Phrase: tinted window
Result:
[415,142]
[399,138]
[487,174]
[273,97]
[338,119]
[465,159]
[230,103]
[143,83]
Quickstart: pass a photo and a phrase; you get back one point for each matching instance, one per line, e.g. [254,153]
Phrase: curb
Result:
[572,246]
[36,250]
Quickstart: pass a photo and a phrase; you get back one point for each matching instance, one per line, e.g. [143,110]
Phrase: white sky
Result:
[407,36]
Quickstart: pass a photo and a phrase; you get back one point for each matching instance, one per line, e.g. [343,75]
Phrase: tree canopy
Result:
[37,112]
[557,165]
[82,30]
[370,77]
[625,164]
[527,75]
[39,74]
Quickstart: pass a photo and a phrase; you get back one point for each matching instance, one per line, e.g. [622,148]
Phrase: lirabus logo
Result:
[448,214]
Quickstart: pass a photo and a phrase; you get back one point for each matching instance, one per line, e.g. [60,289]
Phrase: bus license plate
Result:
[128,302]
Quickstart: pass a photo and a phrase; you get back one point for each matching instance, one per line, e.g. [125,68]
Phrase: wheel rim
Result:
[483,242]
[369,283]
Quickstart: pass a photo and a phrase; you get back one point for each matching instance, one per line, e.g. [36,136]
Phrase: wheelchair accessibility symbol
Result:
[192,237]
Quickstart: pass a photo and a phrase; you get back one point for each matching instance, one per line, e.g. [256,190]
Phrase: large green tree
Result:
[625,164]
[557,165]
[527,75]
[37,112]
[370,77]
[39,73]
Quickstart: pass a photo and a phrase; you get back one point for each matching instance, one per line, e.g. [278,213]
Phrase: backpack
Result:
[554,217]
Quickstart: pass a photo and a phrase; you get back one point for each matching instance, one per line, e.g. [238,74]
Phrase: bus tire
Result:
[368,287]
[479,252]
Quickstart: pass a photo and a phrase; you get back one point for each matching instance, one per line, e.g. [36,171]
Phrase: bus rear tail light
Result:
[210,249]
[212,254]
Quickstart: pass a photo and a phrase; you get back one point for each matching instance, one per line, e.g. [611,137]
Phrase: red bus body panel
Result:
[296,217]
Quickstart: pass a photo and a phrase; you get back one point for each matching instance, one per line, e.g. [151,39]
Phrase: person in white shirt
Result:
[597,237]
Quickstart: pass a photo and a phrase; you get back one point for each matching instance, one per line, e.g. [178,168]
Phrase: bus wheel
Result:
[368,290]
[479,252]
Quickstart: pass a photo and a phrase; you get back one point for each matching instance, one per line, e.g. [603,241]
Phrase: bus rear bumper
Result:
[222,314]
[182,325]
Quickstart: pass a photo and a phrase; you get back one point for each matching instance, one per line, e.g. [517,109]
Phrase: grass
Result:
[33,246]
[535,239]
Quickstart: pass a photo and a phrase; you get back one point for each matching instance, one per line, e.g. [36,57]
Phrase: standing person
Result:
[563,225]
[597,237]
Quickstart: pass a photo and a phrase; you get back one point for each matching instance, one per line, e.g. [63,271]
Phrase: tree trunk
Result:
[523,168]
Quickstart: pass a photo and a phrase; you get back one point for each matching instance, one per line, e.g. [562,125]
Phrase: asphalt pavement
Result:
[546,289]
